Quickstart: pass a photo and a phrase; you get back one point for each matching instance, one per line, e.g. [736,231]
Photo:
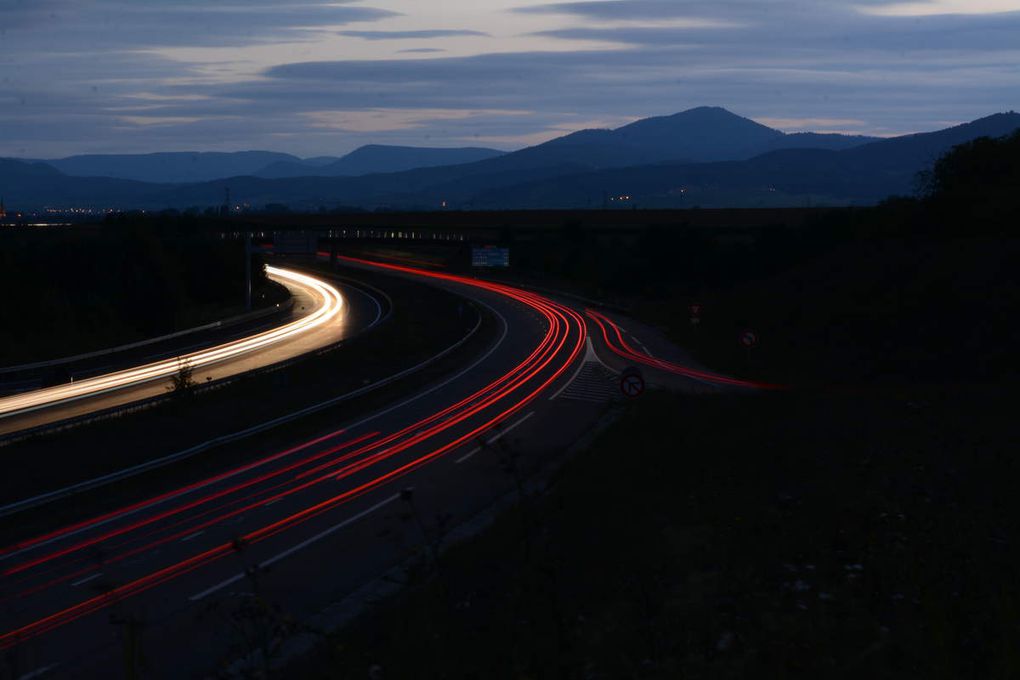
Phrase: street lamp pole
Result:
[247,271]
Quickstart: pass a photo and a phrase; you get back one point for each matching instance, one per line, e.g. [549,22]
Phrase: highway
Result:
[321,319]
[300,530]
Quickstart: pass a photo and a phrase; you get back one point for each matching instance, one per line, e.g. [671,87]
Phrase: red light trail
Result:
[561,344]
[613,337]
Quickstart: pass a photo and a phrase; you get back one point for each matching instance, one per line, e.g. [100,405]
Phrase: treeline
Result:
[77,289]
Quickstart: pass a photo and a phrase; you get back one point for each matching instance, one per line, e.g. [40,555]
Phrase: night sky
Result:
[320,78]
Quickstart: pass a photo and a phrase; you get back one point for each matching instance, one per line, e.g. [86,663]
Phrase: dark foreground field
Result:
[835,535]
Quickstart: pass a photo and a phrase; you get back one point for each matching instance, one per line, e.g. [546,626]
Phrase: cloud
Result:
[812,124]
[63,26]
[141,75]
[827,38]
[930,7]
[389,120]
[411,35]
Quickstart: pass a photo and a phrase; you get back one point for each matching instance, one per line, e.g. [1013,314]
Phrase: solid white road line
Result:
[497,437]
[300,546]
[86,579]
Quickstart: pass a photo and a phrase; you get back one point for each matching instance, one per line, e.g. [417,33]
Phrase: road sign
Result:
[749,339]
[695,310]
[632,383]
[490,256]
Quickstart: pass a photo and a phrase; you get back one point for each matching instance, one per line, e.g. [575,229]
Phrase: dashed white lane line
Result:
[39,672]
[192,536]
[496,438]
[86,579]
[642,346]
[300,546]
[470,455]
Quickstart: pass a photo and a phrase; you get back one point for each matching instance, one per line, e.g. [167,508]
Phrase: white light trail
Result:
[330,307]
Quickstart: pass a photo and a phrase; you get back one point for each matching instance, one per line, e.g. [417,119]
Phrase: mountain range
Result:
[377,158]
[203,166]
[706,156]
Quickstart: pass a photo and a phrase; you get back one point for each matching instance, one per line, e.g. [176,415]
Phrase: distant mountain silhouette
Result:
[862,174]
[170,167]
[377,158]
[702,134]
[584,169]
[27,185]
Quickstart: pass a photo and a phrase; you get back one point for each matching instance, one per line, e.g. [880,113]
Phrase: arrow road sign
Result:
[632,383]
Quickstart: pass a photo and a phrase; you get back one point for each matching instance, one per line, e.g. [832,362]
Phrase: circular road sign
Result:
[632,383]
[749,339]
[695,310]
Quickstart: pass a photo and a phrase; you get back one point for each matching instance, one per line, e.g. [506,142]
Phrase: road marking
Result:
[641,345]
[300,546]
[275,500]
[496,438]
[594,384]
[587,383]
[468,456]
[191,536]
[86,579]
[588,351]
[38,673]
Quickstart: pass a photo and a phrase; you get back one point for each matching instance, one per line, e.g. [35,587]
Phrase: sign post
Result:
[695,311]
[247,271]
[632,383]
[748,340]
[490,257]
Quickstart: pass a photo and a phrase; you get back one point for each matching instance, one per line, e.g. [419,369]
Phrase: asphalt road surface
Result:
[178,579]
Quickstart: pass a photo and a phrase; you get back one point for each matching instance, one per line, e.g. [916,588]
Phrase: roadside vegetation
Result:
[71,290]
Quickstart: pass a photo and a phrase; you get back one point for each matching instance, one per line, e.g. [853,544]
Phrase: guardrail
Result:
[223,323]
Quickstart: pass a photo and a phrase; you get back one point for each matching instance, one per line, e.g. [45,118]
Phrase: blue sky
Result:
[315,77]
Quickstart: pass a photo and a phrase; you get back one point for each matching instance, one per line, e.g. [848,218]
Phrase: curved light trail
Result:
[331,304]
[613,337]
[306,476]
